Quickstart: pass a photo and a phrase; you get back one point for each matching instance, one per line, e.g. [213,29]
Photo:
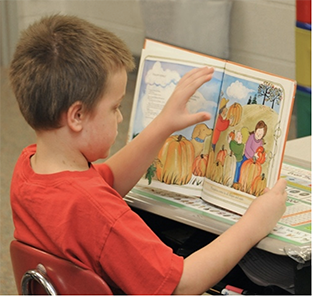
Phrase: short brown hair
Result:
[60,60]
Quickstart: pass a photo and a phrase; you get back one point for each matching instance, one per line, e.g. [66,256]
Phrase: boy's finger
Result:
[197,118]
[266,190]
[281,184]
[196,74]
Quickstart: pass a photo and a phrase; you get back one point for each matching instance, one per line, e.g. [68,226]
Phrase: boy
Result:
[69,78]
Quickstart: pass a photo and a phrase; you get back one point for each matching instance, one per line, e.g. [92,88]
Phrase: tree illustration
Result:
[264,90]
[254,101]
[275,96]
[249,101]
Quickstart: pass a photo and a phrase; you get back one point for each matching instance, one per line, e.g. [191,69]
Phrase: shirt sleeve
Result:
[140,263]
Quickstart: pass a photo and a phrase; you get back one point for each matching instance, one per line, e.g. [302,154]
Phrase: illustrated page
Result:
[249,136]
[230,159]
[181,163]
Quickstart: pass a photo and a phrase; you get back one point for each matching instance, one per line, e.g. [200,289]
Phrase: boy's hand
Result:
[268,208]
[175,113]
[129,164]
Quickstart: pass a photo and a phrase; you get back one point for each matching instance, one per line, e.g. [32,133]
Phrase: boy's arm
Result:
[207,266]
[132,161]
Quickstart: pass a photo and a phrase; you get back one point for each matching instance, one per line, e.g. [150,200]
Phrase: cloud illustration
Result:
[197,103]
[238,91]
[160,84]
[158,76]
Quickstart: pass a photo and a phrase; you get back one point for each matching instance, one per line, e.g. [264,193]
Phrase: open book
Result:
[230,159]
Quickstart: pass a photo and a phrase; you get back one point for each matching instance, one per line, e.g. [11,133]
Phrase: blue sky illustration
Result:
[233,88]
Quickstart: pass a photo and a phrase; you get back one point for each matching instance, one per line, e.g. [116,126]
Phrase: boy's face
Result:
[101,127]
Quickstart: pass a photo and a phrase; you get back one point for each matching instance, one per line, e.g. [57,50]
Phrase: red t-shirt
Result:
[79,216]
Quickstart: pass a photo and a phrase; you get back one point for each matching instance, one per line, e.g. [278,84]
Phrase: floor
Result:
[15,135]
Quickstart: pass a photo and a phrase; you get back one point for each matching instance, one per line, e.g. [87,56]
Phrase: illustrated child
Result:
[69,77]
[237,147]
[222,122]
[255,140]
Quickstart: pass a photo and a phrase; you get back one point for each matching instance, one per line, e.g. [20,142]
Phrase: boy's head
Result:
[60,60]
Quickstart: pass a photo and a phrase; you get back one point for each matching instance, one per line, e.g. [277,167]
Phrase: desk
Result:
[297,151]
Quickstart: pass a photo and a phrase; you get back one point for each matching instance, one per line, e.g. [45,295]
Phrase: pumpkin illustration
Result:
[232,135]
[235,114]
[211,161]
[200,165]
[237,186]
[221,155]
[229,169]
[176,159]
[250,169]
[216,172]
[261,154]
[258,185]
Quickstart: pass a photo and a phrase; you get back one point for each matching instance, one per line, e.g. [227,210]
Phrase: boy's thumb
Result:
[199,117]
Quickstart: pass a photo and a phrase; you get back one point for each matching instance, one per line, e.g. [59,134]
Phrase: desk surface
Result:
[297,151]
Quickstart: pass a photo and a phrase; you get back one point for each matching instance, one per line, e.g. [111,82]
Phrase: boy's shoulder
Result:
[30,149]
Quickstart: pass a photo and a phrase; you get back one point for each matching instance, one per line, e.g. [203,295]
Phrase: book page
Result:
[158,75]
[249,136]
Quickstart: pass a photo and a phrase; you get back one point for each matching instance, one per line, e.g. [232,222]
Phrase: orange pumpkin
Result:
[237,186]
[232,135]
[235,114]
[261,154]
[258,185]
[200,165]
[221,155]
[250,169]
[176,159]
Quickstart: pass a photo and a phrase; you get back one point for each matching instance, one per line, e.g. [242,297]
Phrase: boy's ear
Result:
[74,116]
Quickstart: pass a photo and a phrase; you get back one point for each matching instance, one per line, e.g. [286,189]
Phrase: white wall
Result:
[123,17]
[8,30]
[30,10]
[262,32]
[262,35]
